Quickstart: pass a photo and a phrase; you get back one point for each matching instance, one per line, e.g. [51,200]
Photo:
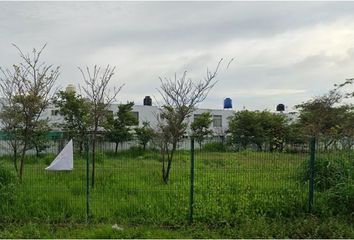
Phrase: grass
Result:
[237,194]
[309,227]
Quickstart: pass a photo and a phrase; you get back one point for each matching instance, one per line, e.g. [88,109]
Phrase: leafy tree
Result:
[322,117]
[75,110]
[26,90]
[100,96]
[294,134]
[39,139]
[347,129]
[275,129]
[12,131]
[245,128]
[180,96]
[254,127]
[201,127]
[119,129]
[144,134]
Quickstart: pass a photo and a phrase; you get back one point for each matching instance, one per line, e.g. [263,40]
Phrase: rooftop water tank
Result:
[147,101]
[227,103]
[280,107]
[70,88]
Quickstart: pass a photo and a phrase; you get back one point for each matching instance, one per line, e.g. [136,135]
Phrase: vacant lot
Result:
[236,194]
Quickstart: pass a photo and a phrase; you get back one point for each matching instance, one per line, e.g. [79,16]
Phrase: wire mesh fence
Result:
[223,185]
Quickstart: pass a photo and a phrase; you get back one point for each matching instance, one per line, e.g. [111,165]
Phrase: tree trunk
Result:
[22,160]
[81,147]
[163,152]
[116,149]
[37,151]
[94,154]
[326,145]
[169,163]
[15,158]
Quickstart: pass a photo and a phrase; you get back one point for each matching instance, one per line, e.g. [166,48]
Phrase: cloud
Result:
[284,51]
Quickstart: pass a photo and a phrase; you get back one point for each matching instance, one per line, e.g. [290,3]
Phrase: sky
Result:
[284,52]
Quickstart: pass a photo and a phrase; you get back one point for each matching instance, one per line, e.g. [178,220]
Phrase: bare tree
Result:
[100,97]
[180,96]
[26,90]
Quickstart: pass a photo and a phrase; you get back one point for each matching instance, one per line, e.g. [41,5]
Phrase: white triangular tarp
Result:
[64,160]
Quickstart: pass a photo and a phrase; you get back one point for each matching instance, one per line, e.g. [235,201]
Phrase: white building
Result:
[146,113]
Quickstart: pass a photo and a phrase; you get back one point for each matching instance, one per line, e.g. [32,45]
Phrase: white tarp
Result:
[64,160]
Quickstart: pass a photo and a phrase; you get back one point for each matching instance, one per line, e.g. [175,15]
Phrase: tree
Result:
[75,110]
[12,130]
[119,129]
[245,128]
[39,139]
[322,117]
[275,129]
[100,97]
[201,127]
[328,119]
[180,96]
[26,90]
[144,134]
[254,127]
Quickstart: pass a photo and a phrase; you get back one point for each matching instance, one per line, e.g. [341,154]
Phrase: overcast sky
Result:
[285,52]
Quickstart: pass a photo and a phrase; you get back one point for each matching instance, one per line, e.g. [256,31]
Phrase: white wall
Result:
[149,113]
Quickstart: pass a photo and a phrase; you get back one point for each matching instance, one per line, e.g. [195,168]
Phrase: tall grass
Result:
[231,188]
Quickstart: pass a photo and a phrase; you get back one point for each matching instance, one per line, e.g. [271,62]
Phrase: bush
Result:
[6,177]
[8,183]
[340,198]
[329,171]
[215,147]
[334,182]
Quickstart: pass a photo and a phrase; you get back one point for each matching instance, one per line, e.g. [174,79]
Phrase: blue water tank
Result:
[227,103]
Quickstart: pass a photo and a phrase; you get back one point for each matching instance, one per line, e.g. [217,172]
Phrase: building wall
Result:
[149,114]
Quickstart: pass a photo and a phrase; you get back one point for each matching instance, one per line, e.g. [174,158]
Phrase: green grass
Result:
[298,228]
[237,194]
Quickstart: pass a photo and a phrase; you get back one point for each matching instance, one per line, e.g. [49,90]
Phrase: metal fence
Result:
[209,183]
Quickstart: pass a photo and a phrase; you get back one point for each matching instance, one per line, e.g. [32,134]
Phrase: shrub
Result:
[6,177]
[7,188]
[215,147]
[334,182]
[340,198]
[329,171]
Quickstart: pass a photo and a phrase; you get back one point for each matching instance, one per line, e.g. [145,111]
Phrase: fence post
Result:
[87,179]
[191,196]
[312,171]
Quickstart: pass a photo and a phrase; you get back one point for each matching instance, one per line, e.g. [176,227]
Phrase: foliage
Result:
[99,96]
[7,189]
[340,198]
[180,97]
[144,134]
[254,127]
[214,147]
[333,182]
[298,228]
[75,110]
[26,91]
[119,128]
[294,134]
[237,194]
[323,117]
[330,170]
[201,127]
[40,137]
